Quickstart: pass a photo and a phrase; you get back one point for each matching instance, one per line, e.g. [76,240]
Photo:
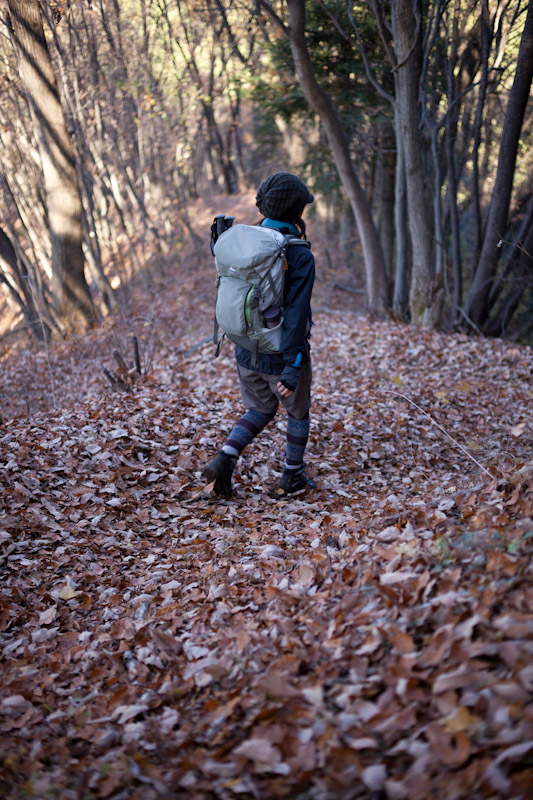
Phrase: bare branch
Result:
[383,28]
[272,14]
[432,33]
[229,30]
[443,430]
[117,384]
[364,55]
[469,321]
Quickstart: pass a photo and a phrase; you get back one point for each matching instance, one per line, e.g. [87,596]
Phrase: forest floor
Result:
[372,638]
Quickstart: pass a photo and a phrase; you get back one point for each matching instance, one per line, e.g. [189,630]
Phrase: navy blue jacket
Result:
[299,282]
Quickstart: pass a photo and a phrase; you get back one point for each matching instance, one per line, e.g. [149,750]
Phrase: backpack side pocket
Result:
[271,338]
[230,307]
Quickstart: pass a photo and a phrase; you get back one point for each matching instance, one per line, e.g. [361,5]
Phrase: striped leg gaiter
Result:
[297,435]
[244,430]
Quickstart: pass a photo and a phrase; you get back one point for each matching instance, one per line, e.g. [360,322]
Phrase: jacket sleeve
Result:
[296,309]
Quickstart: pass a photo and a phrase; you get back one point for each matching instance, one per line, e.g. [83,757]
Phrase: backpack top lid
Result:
[244,247]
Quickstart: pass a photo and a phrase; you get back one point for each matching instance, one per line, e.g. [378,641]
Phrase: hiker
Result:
[266,379]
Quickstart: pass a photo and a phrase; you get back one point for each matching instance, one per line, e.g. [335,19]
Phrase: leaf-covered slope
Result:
[371,639]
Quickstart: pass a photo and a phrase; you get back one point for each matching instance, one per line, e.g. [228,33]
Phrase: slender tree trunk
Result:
[450,135]
[522,280]
[513,254]
[217,145]
[477,302]
[22,293]
[400,302]
[407,28]
[71,293]
[384,194]
[376,275]
[33,279]
[486,36]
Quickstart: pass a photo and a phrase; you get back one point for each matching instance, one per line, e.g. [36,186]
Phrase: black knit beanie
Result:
[280,194]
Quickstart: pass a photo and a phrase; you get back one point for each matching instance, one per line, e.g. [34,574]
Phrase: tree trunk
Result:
[22,293]
[384,193]
[407,28]
[86,180]
[400,302]
[477,228]
[522,280]
[217,147]
[477,302]
[376,275]
[71,293]
[450,138]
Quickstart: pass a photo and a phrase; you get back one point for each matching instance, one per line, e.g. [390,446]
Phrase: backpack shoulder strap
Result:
[292,240]
[289,240]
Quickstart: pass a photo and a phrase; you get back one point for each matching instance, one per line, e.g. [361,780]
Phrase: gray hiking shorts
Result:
[259,392]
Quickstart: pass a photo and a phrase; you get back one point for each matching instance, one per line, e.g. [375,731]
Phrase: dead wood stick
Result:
[120,361]
[345,287]
[136,354]
[115,381]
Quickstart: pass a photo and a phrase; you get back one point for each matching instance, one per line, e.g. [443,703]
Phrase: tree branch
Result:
[444,431]
[364,55]
[272,14]
[384,30]
[227,26]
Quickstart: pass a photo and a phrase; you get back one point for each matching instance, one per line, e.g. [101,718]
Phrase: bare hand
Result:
[284,392]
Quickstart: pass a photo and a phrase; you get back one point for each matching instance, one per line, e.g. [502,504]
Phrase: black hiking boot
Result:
[295,480]
[220,470]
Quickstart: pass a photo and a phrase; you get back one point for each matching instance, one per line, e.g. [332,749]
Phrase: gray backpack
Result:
[251,262]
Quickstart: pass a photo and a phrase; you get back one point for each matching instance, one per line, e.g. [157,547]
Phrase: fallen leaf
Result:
[68,593]
[49,615]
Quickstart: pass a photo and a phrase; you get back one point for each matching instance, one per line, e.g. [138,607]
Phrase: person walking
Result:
[283,377]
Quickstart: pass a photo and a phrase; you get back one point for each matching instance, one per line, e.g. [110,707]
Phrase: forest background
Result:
[410,121]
